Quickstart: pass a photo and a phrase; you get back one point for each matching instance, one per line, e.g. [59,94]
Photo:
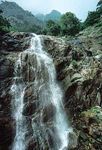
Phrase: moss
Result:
[75,64]
[94,113]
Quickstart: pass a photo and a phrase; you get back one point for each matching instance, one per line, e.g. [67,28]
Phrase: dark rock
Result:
[73,140]
[7,133]
[8,43]
[6,69]
[81,82]
[89,53]
[32,144]
[48,113]
[29,109]
[15,42]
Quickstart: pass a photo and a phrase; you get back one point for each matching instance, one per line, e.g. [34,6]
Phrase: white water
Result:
[54,96]
[17,91]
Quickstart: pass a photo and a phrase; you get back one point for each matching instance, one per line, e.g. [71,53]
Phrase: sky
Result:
[79,7]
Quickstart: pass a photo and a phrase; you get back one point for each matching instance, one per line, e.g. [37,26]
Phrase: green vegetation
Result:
[4,24]
[94,112]
[94,16]
[26,28]
[69,24]
[20,19]
[75,64]
[52,28]
[59,25]
[99,7]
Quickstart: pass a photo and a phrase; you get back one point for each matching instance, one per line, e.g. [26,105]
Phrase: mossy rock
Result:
[94,113]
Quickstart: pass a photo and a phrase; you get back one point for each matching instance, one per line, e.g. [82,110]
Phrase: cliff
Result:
[78,63]
[79,69]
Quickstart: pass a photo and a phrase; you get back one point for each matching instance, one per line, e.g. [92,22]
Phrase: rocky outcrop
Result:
[79,70]
[90,128]
[10,46]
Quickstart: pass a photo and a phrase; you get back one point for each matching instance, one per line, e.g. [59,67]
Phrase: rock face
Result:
[10,46]
[90,124]
[79,70]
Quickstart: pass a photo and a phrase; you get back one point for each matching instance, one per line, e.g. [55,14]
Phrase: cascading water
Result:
[50,133]
[18,90]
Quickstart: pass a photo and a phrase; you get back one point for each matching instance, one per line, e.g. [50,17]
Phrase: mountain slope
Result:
[53,15]
[20,19]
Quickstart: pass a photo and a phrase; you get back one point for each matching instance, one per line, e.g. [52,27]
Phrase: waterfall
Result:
[49,122]
[18,90]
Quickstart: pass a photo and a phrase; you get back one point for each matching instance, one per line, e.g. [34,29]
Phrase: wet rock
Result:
[80,76]
[7,133]
[6,68]
[29,109]
[48,113]
[29,65]
[10,46]
[32,145]
[30,100]
[12,42]
[73,140]
[31,91]
[5,97]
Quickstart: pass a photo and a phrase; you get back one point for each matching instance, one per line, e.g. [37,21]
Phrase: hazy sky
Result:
[79,7]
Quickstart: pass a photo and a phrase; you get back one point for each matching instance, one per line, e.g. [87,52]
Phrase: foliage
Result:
[70,24]
[4,24]
[21,20]
[35,29]
[94,16]
[99,5]
[26,28]
[75,64]
[52,28]
[99,8]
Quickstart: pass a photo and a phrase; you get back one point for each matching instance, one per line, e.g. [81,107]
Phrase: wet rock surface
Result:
[14,41]
[79,69]
[10,46]
[7,133]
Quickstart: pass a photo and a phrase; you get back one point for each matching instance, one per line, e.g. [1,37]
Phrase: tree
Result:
[91,19]
[94,16]
[52,28]
[99,5]
[99,8]
[70,24]
[4,24]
